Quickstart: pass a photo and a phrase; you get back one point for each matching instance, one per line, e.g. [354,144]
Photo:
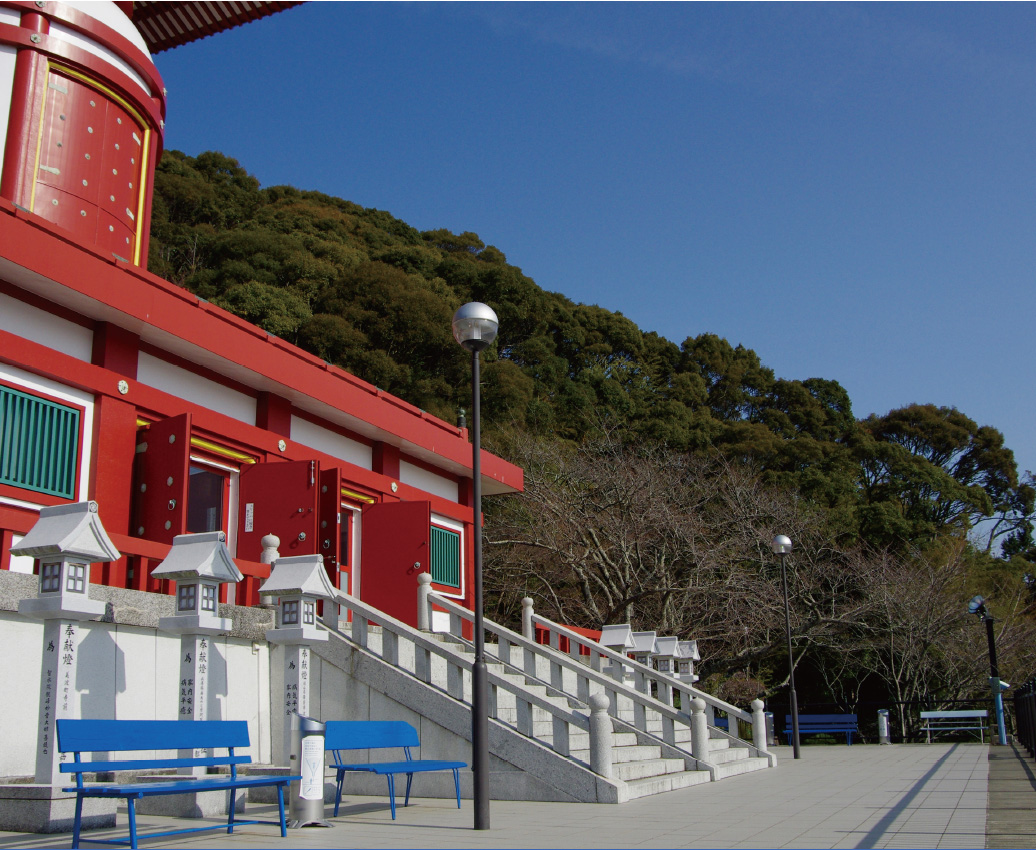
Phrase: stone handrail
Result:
[521,652]
[396,635]
[642,674]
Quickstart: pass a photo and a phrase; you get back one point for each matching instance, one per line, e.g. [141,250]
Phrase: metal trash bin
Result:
[883,726]
[307,755]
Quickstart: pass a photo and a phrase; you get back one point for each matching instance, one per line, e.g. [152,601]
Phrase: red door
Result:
[161,497]
[278,498]
[330,503]
[394,549]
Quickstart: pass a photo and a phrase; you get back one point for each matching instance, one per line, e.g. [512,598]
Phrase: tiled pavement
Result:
[903,795]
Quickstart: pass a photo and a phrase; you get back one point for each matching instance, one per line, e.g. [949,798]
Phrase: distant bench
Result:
[340,736]
[816,724]
[970,720]
[82,737]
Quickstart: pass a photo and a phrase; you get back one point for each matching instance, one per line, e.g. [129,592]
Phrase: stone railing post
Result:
[600,736]
[758,725]
[424,612]
[270,542]
[528,631]
[699,730]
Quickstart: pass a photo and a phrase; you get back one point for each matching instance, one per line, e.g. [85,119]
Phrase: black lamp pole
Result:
[479,672]
[782,546]
[474,327]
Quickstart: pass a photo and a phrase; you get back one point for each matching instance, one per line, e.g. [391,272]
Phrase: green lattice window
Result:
[445,557]
[39,444]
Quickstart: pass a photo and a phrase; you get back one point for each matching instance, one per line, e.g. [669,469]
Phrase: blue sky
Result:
[847,189]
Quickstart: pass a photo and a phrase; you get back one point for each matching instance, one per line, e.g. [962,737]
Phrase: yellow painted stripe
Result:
[217,449]
[370,500]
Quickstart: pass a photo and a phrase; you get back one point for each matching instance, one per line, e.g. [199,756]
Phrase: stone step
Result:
[730,754]
[622,755]
[628,771]
[669,782]
[736,768]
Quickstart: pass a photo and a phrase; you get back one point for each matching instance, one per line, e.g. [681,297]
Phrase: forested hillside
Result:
[657,470]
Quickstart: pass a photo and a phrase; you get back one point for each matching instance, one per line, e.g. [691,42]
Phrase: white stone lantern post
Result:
[299,583]
[66,540]
[666,651]
[198,563]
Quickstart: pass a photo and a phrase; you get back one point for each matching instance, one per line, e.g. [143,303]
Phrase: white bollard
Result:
[699,730]
[424,609]
[528,631]
[758,725]
[600,736]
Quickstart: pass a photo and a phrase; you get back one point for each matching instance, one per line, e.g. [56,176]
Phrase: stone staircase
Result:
[540,712]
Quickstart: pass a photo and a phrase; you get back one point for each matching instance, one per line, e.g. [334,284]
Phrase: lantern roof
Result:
[689,649]
[668,646]
[72,530]
[169,24]
[203,555]
[619,635]
[303,574]
[644,642]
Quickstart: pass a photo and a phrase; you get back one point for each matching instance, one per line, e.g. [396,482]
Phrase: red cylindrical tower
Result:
[81,121]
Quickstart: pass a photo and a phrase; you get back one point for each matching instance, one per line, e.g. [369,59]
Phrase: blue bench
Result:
[816,724]
[341,736]
[81,737]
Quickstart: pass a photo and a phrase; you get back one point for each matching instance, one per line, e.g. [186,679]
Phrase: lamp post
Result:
[474,327]
[977,606]
[781,546]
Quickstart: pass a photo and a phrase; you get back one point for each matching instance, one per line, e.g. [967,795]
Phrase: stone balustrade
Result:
[589,668]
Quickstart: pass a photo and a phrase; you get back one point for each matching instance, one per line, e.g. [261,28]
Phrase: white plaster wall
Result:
[416,476]
[37,325]
[20,662]
[179,382]
[248,689]
[21,563]
[305,432]
[96,49]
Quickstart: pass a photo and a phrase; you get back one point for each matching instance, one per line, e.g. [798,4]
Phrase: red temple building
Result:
[172,414]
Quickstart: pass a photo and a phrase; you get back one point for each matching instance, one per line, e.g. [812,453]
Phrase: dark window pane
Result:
[205,501]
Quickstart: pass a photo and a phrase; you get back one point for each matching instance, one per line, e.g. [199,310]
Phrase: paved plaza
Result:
[903,795]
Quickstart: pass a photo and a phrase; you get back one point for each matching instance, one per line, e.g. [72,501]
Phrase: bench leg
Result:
[280,811]
[78,822]
[230,816]
[456,784]
[409,781]
[392,793]
[132,811]
[338,790]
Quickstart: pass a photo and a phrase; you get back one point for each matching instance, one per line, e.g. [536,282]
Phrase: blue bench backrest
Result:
[824,720]
[111,735]
[369,734]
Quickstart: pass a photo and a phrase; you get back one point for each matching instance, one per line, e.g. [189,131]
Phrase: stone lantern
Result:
[644,647]
[299,583]
[65,540]
[666,651]
[199,563]
[685,661]
[618,639]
